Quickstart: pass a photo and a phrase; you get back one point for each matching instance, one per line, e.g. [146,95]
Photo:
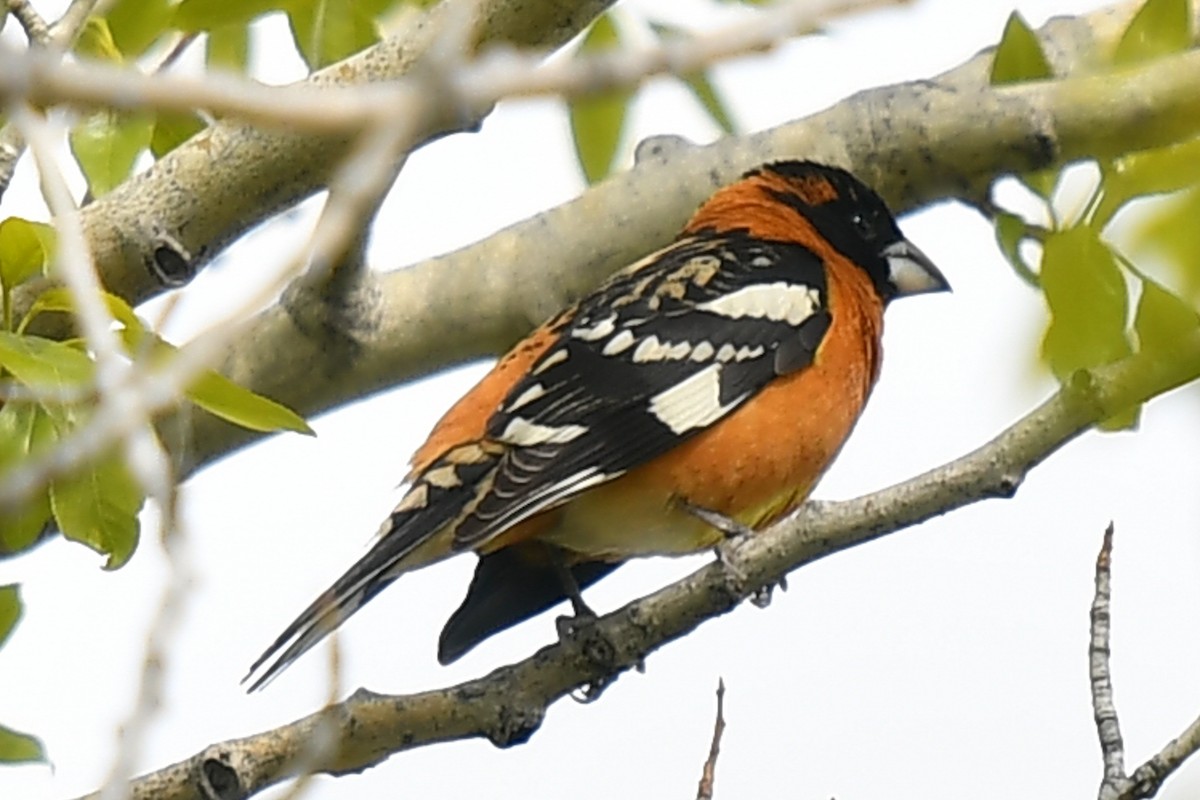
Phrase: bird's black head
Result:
[859,225]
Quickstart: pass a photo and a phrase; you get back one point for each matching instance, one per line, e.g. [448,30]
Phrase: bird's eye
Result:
[864,227]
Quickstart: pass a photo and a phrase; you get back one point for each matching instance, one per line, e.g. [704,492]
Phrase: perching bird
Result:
[721,373]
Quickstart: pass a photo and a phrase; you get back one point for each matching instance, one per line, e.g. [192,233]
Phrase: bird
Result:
[714,379]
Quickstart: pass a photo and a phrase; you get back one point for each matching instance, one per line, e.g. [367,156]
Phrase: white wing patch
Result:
[619,343]
[527,396]
[779,302]
[524,433]
[557,357]
[692,403]
[598,331]
[651,349]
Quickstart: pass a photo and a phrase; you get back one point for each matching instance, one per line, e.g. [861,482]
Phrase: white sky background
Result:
[946,661]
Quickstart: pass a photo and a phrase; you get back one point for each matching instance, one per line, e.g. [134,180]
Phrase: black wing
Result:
[658,353]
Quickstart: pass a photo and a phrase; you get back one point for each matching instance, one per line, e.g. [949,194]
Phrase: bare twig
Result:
[31,21]
[1147,779]
[708,775]
[1105,712]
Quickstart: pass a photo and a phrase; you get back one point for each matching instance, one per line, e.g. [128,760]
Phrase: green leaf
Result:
[1088,303]
[218,395]
[195,16]
[1163,321]
[18,748]
[1159,28]
[25,430]
[136,24]
[228,48]
[44,363]
[59,298]
[706,93]
[1010,232]
[25,250]
[97,506]
[10,611]
[1157,171]
[1041,182]
[598,120]
[1019,56]
[1170,232]
[326,31]
[96,41]
[106,145]
[172,129]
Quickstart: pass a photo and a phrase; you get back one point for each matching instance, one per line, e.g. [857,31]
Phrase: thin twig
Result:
[708,775]
[466,90]
[31,21]
[1104,710]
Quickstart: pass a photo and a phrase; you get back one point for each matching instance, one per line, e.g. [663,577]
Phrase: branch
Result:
[1149,777]
[916,143]
[709,774]
[508,705]
[159,228]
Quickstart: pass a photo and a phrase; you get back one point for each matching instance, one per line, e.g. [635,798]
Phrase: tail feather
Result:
[411,540]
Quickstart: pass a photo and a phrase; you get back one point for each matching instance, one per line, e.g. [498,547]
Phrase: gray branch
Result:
[508,705]
[917,143]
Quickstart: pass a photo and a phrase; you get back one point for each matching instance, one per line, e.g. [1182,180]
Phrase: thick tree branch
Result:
[915,142]
[163,225]
[508,705]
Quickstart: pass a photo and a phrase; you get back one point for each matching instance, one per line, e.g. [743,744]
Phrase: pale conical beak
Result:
[911,271]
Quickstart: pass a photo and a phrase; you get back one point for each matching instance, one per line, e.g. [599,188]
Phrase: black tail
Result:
[510,586]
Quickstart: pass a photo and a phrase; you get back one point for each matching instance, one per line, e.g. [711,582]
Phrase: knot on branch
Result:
[217,779]
[660,148]
[515,724]
[171,264]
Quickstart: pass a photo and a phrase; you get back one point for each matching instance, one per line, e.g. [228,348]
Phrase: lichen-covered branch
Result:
[916,142]
[508,705]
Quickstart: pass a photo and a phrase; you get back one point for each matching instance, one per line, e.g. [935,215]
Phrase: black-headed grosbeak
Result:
[722,373]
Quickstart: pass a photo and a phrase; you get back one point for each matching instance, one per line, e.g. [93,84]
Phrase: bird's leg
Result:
[726,525]
[583,614]
[733,530]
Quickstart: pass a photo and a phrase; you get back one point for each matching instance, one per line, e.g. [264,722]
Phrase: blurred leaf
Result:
[598,120]
[1159,28]
[44,363]
[1170,232]
[172,129]
[1019,56]
[96,41]
[699,83]
[1010,232]
[706,93]
[218,395]
[204,15]
[17,748]
[1088,303]
[24,430]
[1163,321]
[1041,182]
[59,298]
[215,393]
[26,248]
[97,506]
[10,611]
[106,145]
[228,48]
[136,24]
[1157,171]
[326,31]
